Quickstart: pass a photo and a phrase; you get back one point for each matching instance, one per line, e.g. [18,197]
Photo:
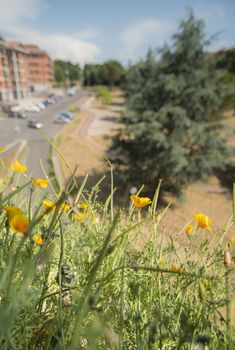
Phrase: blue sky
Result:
[94,31]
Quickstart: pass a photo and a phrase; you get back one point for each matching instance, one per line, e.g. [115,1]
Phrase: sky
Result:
[98,30]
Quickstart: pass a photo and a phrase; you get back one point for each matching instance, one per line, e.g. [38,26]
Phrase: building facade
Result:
[40,68]
[23,69]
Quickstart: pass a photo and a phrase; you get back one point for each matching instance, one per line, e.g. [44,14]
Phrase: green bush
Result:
[104,95]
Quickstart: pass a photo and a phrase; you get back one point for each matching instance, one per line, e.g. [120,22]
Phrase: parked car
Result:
[32,108]
[68,115]
[62,119]
[41,106]
[70,92]
[19,115]
[33,123]
[46,103]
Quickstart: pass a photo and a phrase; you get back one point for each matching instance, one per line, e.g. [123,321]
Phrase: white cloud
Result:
[76,48]
[15,11]
[150,32]
[60,45]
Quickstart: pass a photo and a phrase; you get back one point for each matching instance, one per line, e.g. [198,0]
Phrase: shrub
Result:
[104,95]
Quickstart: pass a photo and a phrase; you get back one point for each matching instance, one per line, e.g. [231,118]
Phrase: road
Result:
[12,129]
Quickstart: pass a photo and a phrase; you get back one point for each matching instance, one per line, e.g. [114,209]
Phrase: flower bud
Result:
[227,257]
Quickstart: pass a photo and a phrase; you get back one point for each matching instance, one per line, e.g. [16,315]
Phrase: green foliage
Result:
[109,73]
[65,70]
[225,61]
[170,130]
[59,73]
[88,286]
[104,95]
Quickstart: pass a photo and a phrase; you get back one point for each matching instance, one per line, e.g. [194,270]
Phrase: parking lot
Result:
[14,128]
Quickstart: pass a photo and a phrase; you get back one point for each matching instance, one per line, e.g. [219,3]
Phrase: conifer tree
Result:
[169,124]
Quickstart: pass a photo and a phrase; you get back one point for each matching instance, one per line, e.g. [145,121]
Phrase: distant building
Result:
[40,68]
[23,68]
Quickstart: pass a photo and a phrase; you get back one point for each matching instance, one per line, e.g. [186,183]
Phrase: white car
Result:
[32,108]
[41,106]
[61,119]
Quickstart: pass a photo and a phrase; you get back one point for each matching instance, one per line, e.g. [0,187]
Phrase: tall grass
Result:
[97,282]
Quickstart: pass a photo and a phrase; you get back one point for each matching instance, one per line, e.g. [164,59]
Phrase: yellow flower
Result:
[232,240]
[17,167]
[12,211]
[162,260]
[175,268]
[203,221]
[83,206]
[49,205]
[78,216]
[16,218]
[2,149]
[38,239]
[40,182]
[189,229]
[140,202]
[19,223]
[65,207]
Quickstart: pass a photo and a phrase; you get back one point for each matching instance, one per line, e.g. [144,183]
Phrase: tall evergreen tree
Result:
[170,131]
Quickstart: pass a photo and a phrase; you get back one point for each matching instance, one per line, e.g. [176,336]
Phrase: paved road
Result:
[12,129]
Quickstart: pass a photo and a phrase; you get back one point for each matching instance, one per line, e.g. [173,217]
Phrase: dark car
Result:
[19,115]
[33,123]
[46,103]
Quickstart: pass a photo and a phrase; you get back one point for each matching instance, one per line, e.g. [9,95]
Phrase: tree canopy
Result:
[65,70]
[109,73]
[169,124]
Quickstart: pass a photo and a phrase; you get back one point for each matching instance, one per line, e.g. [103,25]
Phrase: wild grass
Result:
[96,282]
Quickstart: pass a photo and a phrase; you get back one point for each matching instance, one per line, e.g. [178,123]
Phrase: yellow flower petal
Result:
[18,167]
[49,205]
[78,216]
[12,211]
[175,268]
[38,239]
[65,207]
[189,229]
[19,223]
[2,149]
[140,202]
[203,221]
[40,182]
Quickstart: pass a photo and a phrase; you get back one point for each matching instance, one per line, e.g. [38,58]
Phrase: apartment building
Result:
[40,68]
[23,69]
